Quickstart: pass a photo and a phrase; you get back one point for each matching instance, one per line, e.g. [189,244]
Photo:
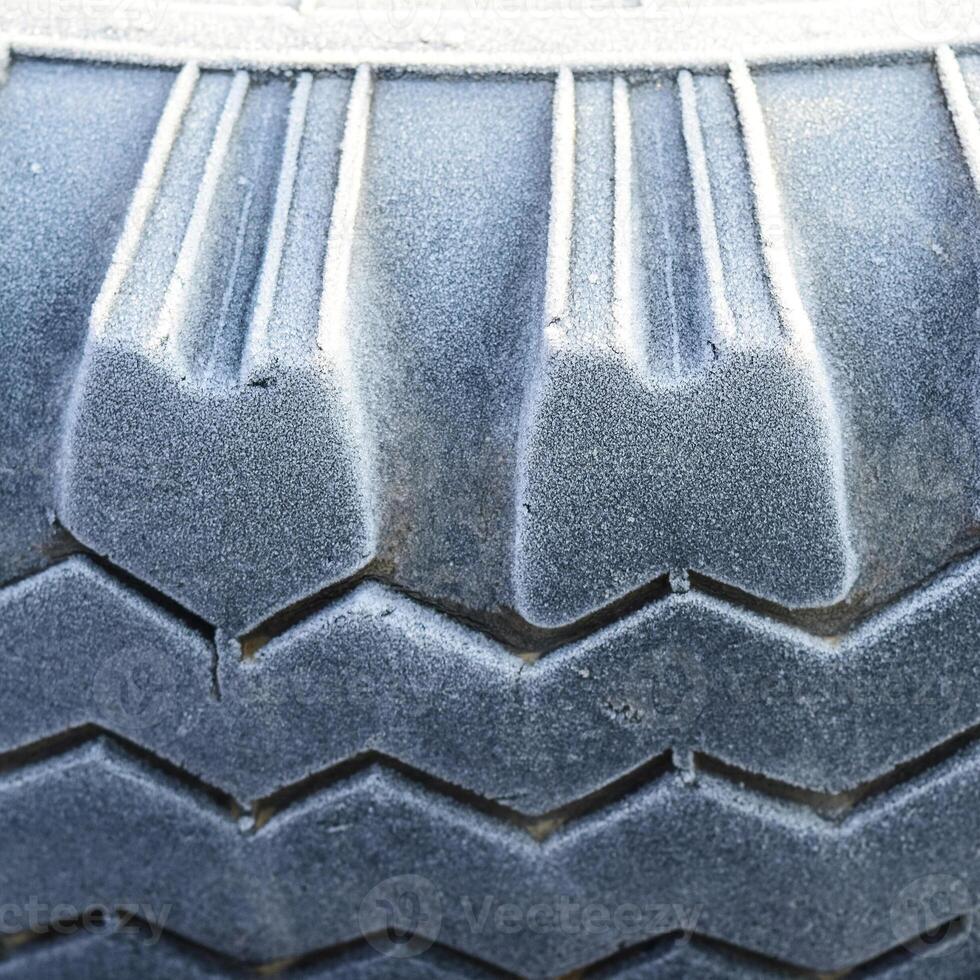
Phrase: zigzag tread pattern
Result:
[375,672]
[268,882]
[123,947]
[273,302]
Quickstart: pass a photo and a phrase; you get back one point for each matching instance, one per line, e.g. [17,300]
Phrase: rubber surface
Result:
[540,507]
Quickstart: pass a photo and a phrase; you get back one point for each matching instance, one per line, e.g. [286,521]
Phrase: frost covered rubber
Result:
[489,490]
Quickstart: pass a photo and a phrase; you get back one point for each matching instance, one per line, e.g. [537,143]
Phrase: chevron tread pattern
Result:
[267,881]
[559,487]
[362,674]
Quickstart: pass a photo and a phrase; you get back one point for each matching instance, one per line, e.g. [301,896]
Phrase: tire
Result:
[481,499]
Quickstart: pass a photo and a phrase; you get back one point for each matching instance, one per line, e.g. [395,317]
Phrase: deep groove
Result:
[531,642]
[508,629]
[196,623]
[950,932]
[662,944]
[109,920]
[73,739]
[837,621]
[124,917]
[835,807]
[215,673]
[515,634]
[71,547]
[15,945]
[320,957]
[280,622]
[265,809]
[766,608]
[540,827]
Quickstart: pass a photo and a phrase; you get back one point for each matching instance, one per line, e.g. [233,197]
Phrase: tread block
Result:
[881,229]
[373,672]
[296,884]
[213,446]
[73,136]
[671,428]
[447,275]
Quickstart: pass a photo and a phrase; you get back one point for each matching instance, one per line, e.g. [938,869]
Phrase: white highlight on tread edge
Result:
[333,328]
[698,165]
[272,261]
[145,195]
[626,332]
[782,280]
[175,300]
[4,60]
[961,109]
[768,213]
[343,218]
[558,265]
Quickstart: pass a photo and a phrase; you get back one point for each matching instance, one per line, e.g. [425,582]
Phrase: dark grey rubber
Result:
[542,491]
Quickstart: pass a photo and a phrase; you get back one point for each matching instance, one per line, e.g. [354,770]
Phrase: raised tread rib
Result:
[581,448]
[127,949]
[276,353]
[374,671]
[821,895]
